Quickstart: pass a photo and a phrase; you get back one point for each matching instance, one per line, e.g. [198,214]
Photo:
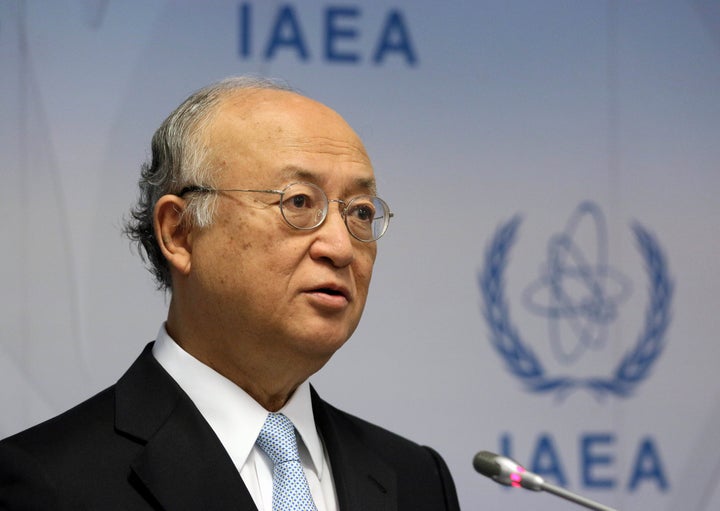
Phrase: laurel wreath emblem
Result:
[520,359]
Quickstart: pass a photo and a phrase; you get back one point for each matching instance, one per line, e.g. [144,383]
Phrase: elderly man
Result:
[258,212]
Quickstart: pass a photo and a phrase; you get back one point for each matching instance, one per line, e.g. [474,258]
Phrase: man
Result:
[258,212]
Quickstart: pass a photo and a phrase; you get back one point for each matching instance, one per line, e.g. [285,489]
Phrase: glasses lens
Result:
[367,217]
[303,205]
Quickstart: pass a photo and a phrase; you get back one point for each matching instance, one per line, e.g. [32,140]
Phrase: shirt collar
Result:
[235,417]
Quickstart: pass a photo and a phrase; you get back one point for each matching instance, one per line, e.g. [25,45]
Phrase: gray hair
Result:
[180,159]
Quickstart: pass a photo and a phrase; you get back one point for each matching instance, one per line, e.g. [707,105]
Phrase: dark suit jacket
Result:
[143,445]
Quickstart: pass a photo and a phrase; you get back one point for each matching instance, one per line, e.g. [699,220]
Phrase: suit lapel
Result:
[183,464]
[363,481]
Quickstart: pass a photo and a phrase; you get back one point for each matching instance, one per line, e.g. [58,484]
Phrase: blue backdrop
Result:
[548,288]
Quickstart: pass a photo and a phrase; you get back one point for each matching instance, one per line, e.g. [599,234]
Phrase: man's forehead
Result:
[281,125]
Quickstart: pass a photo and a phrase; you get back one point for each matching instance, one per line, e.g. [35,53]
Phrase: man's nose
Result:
[333,240]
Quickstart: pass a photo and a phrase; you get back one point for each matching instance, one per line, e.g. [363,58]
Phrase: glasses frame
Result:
[343,205]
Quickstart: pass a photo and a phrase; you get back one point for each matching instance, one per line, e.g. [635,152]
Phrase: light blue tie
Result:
[290,488]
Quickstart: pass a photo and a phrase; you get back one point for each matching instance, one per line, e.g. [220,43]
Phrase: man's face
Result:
[265,283]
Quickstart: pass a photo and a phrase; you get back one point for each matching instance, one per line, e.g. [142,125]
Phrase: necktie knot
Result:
[277,439]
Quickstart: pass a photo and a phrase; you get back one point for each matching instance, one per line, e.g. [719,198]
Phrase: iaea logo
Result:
[580,295]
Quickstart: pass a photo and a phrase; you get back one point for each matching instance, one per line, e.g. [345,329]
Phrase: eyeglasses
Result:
[304,206]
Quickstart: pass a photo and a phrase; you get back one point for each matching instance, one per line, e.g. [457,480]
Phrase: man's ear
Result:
[173,232]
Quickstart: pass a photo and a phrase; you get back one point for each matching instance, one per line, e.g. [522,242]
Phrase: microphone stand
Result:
[573,497]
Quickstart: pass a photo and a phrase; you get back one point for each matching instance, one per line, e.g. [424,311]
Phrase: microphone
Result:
[510,473]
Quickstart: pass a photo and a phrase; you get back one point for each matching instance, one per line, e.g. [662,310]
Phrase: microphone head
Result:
[503,470]
[486,463]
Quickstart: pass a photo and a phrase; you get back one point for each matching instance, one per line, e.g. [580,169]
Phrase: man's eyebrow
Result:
[366,184]
[293,172]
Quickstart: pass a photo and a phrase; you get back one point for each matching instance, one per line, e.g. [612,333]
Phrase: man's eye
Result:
[299,201]
[363,212]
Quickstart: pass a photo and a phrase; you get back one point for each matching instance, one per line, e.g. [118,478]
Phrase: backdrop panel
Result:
[548,288]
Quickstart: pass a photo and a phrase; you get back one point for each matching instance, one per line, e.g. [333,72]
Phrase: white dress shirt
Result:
[237,419]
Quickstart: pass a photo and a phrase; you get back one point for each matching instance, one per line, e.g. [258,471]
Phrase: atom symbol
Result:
[577,294]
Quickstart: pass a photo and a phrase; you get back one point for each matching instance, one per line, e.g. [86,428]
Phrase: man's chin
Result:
[321,345]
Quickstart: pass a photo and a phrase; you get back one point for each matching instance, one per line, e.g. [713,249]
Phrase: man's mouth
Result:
[332,292]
